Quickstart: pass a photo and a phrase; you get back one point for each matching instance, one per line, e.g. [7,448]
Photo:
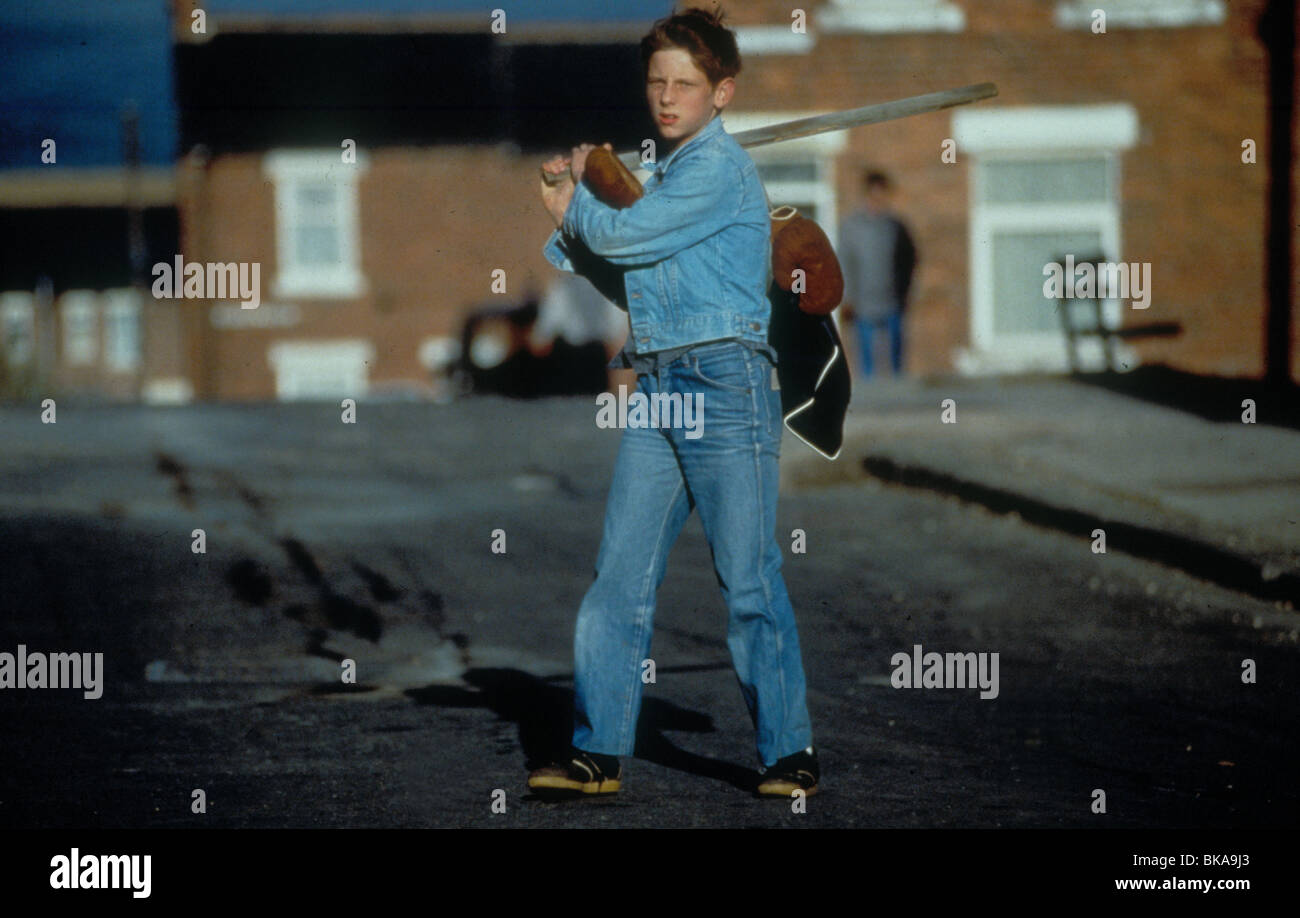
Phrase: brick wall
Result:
[1189,205]
[435,222]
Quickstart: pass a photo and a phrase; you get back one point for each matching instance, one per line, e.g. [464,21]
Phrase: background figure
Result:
[878,257]
[574,310]
[574,316]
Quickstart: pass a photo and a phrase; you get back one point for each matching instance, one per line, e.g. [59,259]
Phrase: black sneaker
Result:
[584,773]
[794,772]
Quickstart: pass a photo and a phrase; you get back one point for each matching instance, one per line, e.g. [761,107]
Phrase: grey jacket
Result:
[878,258]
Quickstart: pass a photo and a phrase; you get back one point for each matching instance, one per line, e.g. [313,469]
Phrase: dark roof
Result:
[247,91]
[70,68]
[80,246]
[529,11]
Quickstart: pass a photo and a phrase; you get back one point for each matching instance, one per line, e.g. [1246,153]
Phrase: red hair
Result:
[701,34]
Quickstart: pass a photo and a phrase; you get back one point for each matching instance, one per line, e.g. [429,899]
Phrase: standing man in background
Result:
[878,258]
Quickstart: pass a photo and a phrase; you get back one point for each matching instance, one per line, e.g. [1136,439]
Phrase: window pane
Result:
[78,309]
[1019,306]
[1046,181]
[320,371]
[787,172]
[122,331]
[316,201]
[17,316]
[318,245]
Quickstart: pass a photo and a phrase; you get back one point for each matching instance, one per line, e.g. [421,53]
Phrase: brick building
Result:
[86,196]
[1127,141]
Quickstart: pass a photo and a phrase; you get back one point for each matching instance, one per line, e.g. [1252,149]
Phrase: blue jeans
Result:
[894,323]
[730,474]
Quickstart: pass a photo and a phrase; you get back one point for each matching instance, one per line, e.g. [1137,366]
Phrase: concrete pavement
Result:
[1217,498]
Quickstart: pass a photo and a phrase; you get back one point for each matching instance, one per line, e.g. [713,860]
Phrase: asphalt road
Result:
[372,542]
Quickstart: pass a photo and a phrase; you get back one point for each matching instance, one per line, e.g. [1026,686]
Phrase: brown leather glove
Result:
[610,181]
[799,243]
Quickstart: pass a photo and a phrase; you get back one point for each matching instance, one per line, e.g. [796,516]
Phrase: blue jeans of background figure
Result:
[729,474]
[894,324]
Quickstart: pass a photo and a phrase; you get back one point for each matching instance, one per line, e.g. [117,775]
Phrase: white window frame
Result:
[290,170]
[18,307]
[773,39]
[1141,14]
[1038,133]
[288,357]
[122,310]
[168,390]
[820,149]
[890,16]
[79,312]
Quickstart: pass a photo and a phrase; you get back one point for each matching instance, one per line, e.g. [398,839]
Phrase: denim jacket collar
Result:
[709,130]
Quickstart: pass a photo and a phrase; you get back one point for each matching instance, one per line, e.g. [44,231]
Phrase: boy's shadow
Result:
[544,713]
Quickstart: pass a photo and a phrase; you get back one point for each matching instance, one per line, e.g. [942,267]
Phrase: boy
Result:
[691,263]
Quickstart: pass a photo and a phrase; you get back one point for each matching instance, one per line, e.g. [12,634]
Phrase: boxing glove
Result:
[798,244]
[610,181]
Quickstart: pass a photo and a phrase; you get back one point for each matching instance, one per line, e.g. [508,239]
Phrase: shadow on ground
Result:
[1214,398]
[544,714]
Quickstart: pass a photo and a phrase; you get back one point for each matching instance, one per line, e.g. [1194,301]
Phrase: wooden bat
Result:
[834,121]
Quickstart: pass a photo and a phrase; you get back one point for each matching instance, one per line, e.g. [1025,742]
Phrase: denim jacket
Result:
[693,255]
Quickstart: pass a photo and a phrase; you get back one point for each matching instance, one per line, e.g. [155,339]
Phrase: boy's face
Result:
[680,97]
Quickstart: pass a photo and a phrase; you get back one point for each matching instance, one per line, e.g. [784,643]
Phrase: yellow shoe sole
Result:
[784,789]
[557,783]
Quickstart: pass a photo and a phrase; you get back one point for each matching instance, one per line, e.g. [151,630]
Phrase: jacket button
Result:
[755,326]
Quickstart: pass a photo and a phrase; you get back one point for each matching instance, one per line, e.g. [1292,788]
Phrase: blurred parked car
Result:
[500,354]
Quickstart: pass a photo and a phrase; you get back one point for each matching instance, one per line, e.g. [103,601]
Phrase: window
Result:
[316,224]
[1045,183]
[321,369]
[797,172]
[167,390]
[803,184]
[79,310]
[891,16]
[774,39]
[17,327]
[1137,14]
[122,330]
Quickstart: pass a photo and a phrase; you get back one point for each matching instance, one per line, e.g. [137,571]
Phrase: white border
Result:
[18,307]
[806,405]
[349,353]
[79,346]
[1046,128]
[122,303]
[1140,14]
[1039,133]
[891,16]
[167,390]
[772,40]
[288,168]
